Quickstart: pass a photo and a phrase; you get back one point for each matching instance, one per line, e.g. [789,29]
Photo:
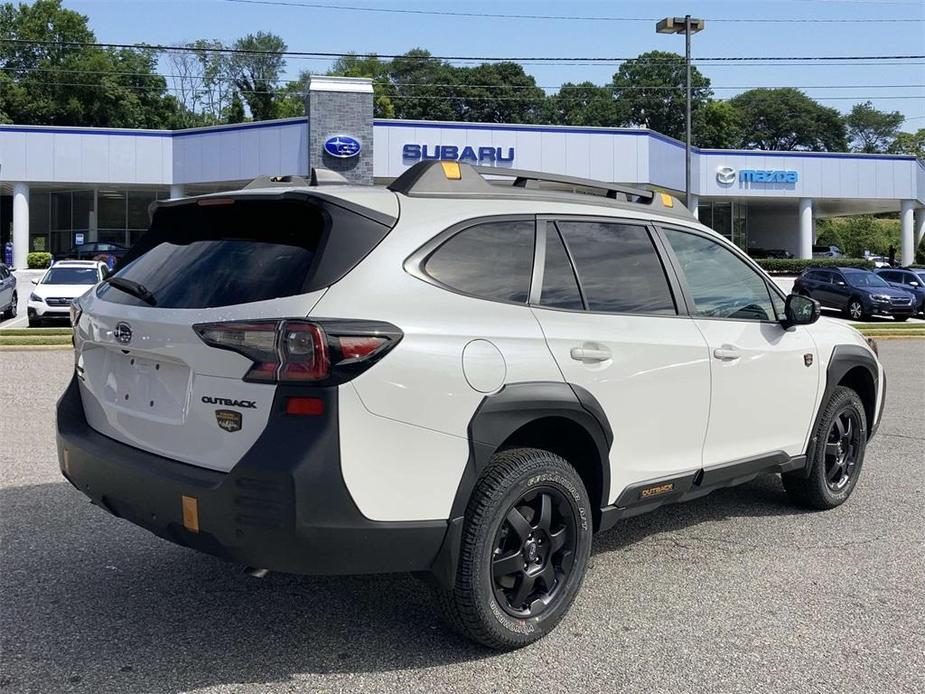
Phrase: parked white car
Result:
[455,376]
[59,286]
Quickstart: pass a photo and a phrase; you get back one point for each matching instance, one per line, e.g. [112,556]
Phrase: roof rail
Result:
[457,179]
[522,179]
[318,177]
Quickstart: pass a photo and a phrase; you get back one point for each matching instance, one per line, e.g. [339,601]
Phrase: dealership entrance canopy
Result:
[63,186]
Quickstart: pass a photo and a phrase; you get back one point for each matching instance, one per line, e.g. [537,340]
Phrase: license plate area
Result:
[155,388]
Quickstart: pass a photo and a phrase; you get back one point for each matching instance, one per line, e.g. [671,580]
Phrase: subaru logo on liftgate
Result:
[122,333]
[342,146]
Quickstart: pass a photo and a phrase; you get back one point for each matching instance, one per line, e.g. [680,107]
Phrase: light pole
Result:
[686,25]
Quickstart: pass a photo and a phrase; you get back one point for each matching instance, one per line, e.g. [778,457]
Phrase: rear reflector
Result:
[190,513]
[213,202]
[306,407]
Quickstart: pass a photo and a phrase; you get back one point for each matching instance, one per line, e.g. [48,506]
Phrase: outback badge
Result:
[229,420]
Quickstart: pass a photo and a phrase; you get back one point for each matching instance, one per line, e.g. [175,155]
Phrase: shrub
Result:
[38,261]
[794,266]
[854,235]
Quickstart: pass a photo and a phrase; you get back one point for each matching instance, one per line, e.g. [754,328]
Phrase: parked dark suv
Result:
[911,280]
[859,293]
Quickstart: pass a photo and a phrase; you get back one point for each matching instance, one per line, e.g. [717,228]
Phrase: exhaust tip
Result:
[255,572]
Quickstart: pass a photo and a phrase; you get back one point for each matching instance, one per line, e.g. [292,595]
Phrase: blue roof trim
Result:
[259,125]
[824,155]
[140,132]
[61,130]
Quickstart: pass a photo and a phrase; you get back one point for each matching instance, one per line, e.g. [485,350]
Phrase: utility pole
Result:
[686,25]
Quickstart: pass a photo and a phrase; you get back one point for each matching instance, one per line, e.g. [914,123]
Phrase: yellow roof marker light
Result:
[451,170]
[667,200]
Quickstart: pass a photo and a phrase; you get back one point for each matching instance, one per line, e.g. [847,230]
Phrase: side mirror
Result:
[913,283]
[35,281]
[800,310]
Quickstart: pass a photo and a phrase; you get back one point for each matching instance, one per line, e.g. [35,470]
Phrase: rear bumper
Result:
[283,507]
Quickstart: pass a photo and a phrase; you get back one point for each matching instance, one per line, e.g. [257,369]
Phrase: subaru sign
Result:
[726,175]
[342,146]
[472,155]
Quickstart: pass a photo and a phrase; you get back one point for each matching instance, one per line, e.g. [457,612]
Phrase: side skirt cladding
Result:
[512,411]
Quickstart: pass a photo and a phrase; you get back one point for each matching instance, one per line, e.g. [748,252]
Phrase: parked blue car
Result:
[909,279]
[859,293]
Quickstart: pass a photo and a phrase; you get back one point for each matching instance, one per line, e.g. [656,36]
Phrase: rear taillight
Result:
[324,352]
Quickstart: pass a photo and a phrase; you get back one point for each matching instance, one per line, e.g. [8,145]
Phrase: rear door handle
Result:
[590,354]
[727,353]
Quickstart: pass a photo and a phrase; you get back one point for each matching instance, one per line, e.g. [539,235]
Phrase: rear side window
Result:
[198,256]
[560,288]
[618,268]
[492,260]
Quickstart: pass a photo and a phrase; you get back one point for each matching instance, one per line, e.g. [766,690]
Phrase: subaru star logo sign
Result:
[122,333]
[342,146]
[725,175]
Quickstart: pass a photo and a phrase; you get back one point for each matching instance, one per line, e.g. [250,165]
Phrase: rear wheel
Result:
[525,548]
[836,456]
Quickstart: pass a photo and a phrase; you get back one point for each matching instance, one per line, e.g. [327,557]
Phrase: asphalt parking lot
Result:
[735,592]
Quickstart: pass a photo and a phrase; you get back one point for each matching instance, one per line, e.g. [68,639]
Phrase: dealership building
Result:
[61,186]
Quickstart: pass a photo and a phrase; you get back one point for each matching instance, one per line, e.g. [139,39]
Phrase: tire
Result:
[14,307]
[855,310]
[900,319]
[503,529]
[35,322]
[836,456]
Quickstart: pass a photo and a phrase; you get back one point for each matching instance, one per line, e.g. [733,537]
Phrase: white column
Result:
[695,203]
[176,190]
[20,225]
[918,223]
[806,227]
[906,241]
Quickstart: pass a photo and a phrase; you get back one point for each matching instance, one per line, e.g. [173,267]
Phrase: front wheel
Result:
[900,319]
[836,454]
[524,550]
[855,310]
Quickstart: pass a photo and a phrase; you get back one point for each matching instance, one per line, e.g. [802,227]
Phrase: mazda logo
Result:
[122,333]
[725,175]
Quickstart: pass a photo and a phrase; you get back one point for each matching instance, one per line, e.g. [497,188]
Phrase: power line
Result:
[401,85]
[429,97]
[583,18]
[487,59]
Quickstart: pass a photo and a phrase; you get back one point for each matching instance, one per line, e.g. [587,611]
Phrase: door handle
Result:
[590,354]
[727,353]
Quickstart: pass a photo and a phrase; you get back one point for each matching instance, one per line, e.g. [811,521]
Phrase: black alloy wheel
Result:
[835,454]
[534,551]
[843,444]
[525,545]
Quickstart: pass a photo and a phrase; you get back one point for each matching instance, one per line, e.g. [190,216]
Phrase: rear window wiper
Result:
[137,290]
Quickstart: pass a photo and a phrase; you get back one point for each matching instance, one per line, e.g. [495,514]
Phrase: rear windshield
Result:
[72,275]
[251,250]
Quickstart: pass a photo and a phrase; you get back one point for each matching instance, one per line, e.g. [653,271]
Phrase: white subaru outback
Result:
[461,376]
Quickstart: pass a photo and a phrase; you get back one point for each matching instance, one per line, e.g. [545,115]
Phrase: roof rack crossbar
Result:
[523,178]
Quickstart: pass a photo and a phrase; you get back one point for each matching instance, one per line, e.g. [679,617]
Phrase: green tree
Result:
[256,73]
[57,81]
[857,235]
[374,68]
[909,143]
[649,91]
[717,125]
[583,104]
[234,113]
[498,93]
[423,87]
[871,130]
[787,119]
